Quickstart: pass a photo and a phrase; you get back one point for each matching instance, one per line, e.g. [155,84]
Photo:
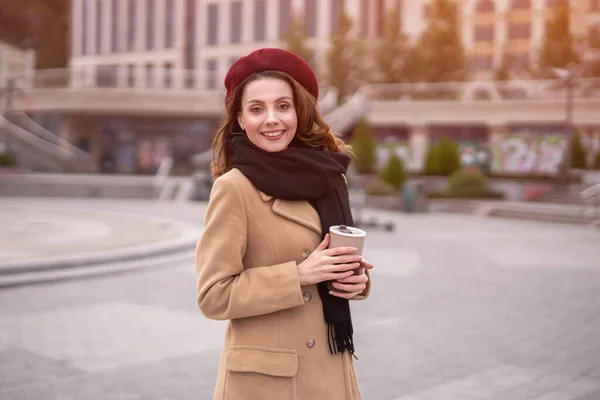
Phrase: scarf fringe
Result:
[340,339]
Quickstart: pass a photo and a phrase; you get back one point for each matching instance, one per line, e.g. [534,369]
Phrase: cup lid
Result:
[345,230]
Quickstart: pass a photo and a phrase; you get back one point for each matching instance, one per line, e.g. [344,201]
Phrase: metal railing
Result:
[115,77]
[590,198]
[586,88]
[38,152]
[24,121]
[139,78]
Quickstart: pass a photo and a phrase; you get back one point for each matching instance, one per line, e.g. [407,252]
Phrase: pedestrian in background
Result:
[262,261]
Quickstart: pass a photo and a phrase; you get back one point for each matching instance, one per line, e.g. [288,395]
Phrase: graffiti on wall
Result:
[529,153]
[474,154]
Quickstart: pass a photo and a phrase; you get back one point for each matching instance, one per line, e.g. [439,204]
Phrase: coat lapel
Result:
[300,212]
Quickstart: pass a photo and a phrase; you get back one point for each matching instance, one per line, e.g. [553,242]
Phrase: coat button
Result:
[307,296]
[305,254]
[310,343]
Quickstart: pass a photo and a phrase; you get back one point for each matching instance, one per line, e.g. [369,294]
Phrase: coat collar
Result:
[301,212]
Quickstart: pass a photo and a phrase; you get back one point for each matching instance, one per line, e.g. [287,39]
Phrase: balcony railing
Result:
[121,78]
[484,90]
[106,78]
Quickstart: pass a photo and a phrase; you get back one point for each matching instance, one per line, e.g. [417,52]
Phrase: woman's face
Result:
[268,114]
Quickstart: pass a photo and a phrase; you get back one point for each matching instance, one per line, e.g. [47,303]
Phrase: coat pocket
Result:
[256,372]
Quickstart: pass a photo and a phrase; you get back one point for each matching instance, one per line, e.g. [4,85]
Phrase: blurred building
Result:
[145,77]
[146,39]
[14,61]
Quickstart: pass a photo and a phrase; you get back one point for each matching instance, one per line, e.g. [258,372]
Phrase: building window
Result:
[484,33]
[84,27]
[168,75]
[519,30]
[114,36]
[310,16]
[150,24]
[260,11]
[99,21]
[131,75]
[106,76]
[131,25]
[189,61]
[170,17]
[211,70]
[364,17]
[519,60]
[236,22]
[379,10]
[213,24]
[483,63]
[285,9]
[337,6]
[149,75]
[485,6]
[520,5]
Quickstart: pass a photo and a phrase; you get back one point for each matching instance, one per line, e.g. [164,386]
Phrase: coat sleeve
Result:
[225,289]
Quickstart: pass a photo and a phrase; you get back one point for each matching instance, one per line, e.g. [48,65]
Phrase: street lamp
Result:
[568,76]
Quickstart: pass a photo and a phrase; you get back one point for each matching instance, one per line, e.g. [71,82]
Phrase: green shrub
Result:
[448,158]
[393,172]
[468,183]
[442,158]
[467,179]
[8,159]
[431,161]
[468,194]
[381,188]
[363,145]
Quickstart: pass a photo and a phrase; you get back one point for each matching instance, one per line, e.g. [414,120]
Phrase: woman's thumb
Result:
[323,245]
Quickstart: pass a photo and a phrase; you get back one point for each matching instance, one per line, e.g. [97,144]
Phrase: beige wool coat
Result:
[246,262]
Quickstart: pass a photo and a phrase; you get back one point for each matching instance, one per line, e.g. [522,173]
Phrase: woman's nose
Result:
[271,117]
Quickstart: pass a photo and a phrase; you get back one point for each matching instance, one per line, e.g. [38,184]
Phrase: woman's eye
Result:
[284,106]
[255,110]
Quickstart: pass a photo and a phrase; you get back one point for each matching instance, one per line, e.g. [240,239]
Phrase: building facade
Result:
[127,97]
[149,42]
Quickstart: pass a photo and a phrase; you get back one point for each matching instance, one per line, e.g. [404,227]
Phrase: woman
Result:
[262,261]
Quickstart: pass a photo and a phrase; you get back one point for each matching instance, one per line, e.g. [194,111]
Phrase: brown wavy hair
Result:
[311,129]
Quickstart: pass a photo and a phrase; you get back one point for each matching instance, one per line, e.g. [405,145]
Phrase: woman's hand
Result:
[328,264]
[353,285]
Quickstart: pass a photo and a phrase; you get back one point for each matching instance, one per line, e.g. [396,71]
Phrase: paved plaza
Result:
[462,308]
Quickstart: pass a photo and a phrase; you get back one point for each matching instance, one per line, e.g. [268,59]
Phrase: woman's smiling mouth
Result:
[272,135]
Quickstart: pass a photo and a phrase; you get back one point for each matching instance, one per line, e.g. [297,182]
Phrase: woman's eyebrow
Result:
[262,102]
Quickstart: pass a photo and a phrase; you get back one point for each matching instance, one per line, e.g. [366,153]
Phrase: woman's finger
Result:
[343,267]
[367,264]
[339,251]
[345,295]
[336,276]
[349,287]
[355,279]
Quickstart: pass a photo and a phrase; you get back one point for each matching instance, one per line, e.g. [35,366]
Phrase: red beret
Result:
[271,59]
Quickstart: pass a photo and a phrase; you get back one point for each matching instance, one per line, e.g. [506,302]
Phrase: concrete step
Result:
[28,277]
[542,216]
